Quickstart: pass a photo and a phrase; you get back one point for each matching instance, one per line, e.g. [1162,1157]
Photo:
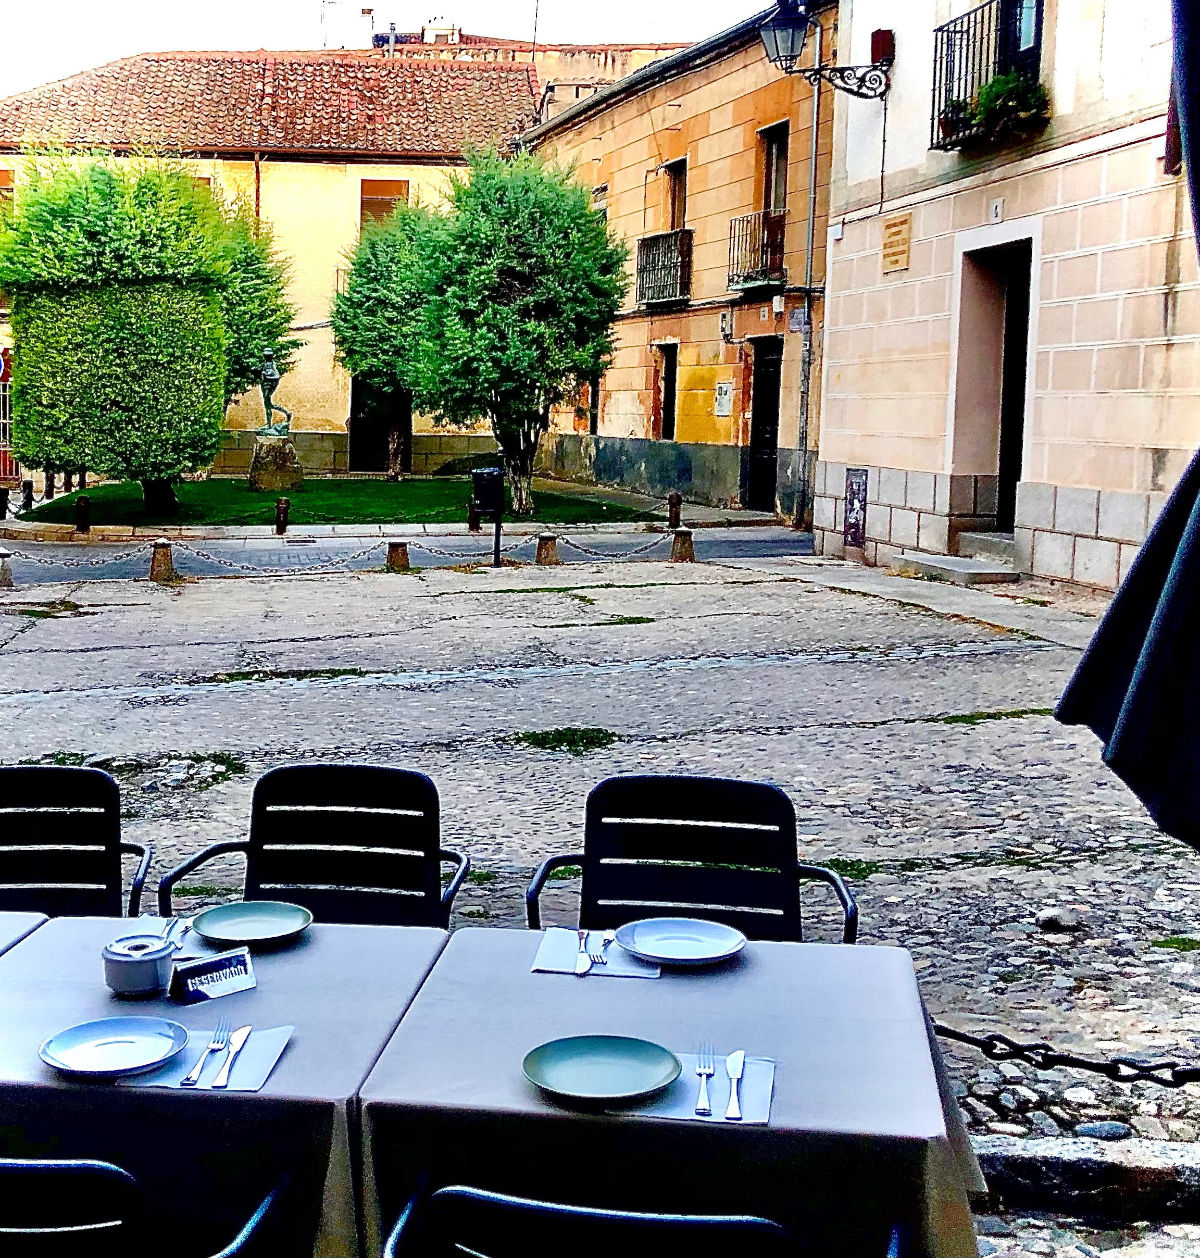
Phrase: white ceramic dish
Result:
[680,940]
[110,1047]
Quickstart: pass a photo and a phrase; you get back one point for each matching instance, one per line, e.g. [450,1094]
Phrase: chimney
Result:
[392,39]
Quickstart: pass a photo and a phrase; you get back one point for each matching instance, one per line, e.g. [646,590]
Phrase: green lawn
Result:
[441,500]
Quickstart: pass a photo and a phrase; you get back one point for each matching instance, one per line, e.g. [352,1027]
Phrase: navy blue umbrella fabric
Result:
[1138,683]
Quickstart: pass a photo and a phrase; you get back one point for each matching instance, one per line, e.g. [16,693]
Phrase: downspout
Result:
[257,184]
[802,516]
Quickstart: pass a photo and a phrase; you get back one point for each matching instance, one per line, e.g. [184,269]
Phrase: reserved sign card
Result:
[206,978]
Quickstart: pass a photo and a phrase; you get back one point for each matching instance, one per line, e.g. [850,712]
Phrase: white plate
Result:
[114,1046]
[680,940]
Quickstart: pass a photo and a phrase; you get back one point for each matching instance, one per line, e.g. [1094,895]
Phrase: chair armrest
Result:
[244,1242]
[139,877]
[397,1243]
[169,879]
[451,888]
[843,893]
[533,909]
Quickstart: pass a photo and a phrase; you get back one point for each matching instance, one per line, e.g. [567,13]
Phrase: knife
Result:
[583,963]
[735,1063]
[236,1041]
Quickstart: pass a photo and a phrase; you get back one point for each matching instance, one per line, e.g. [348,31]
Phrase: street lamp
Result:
[784,34]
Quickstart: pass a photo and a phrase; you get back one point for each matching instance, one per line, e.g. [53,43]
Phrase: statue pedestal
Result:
[275,465]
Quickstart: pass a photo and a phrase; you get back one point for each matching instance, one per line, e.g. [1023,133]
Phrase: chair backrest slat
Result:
[352,843]
[64,1209]
[60,836]
[692,847]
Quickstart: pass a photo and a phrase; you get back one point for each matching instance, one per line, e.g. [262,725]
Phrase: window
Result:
[775,168]
[201,181]
[667,381]
[6,188]
[676,173]
[379,198]
[1021,36]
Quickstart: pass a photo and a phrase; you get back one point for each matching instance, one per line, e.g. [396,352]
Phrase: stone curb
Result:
[1124,1181]
[17,531]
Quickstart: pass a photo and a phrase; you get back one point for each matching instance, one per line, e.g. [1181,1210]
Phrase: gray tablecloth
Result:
[15,926]
[204,1157]
[860,1137]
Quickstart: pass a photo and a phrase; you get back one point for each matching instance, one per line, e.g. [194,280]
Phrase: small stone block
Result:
[547,549]
[397,557]
[892,483]
[1122,516]
[161,566]
[919,491]
[682,550]
[1076,510]
[955,570]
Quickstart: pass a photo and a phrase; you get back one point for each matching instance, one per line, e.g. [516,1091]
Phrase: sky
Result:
[40,42]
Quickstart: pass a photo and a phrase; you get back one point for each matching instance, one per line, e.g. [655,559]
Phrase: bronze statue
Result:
[270,382]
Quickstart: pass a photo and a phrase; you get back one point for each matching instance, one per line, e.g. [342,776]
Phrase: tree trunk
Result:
[158,498]
[519,446]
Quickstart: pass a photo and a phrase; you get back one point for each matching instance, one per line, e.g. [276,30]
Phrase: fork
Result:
[219,1042]
[705,1068]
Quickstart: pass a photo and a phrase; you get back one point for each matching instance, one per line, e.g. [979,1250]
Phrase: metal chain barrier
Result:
[78,563]
[480,555]
[622,554]
[1043,1056]
[327,565]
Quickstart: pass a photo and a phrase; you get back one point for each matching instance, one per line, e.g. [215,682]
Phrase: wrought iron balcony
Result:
[664,267]
[756,249]
[997,37]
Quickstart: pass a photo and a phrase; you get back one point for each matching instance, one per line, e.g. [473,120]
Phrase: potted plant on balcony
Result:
[1011,106]
[957,116]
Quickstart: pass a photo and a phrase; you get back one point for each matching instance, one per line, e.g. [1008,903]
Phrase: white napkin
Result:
[251,1069]
[679,1100]
[560,947]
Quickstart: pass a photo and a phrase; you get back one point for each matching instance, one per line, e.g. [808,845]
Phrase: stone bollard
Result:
[83,514]
[682,550]
[674,509]
[26,496]
[547,550]
[397,557]
[282,507]
[161,567]
[6,580]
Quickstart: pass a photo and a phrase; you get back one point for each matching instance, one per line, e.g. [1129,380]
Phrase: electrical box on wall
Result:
[777,304]
[723,402]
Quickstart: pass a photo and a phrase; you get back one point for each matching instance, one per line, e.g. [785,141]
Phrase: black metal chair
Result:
[351,842]
[52,1208]
[456,1221]
[702,847]
[60,844]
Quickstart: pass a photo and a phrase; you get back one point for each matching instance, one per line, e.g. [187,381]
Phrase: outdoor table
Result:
[15,926]
[863,1132]
[206,1158]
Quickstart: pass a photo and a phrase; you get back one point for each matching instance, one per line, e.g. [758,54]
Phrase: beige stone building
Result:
[714,166]
[1012,341]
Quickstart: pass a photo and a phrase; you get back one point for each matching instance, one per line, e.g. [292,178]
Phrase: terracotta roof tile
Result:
[300,102]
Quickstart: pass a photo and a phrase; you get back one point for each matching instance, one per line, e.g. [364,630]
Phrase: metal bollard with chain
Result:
[161,566]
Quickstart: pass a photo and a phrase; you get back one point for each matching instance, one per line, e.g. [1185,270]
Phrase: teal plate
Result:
[601,1068]
[251,923]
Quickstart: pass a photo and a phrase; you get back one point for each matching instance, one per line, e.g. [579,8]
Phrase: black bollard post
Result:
[674,509]
[26,496]
[83,514]
[68,482]
[3,502]
[282,507]
[473,522]
[48,493]
[496,544]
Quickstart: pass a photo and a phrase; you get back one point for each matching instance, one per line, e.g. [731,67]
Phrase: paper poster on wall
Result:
[897,242]
[724,399]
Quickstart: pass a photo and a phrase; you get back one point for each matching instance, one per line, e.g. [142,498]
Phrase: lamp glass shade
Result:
[783,35]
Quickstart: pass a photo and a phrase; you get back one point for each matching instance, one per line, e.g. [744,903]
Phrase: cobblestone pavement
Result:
[908,721]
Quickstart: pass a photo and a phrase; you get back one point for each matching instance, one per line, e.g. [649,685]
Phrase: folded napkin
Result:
[679,1100]
[560,947]
[251,1068]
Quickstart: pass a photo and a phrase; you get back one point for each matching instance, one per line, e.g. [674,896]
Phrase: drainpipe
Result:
[806,353]
[257,185]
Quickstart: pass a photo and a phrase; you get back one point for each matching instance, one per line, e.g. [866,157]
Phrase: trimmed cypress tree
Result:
[115,273]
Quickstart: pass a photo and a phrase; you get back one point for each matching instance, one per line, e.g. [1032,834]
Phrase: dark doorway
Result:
[380,430]
[668,386]
[763,473]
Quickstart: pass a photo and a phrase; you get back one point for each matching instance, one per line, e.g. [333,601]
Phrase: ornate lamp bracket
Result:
[868,82]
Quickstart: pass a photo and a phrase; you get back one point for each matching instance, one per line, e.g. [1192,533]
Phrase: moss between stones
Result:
[574,739]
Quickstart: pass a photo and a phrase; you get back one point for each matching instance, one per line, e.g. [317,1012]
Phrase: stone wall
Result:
[914,511]
[451,452]
[704,473]
[325,453]
[1085,535]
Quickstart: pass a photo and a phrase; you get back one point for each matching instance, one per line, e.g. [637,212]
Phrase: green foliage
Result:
[378,321]
[1011,106]
[125,379]
[254,305]
[577,740]
[530,283]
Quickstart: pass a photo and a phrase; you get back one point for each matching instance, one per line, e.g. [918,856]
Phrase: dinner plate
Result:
[114,1046]
[601,1068]
[251,922]
[680,940]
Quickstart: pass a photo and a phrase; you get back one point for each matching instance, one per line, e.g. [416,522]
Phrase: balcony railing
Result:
[756,249]
[664,267]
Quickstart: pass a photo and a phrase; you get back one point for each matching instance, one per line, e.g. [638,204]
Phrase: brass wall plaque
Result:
[897,242]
